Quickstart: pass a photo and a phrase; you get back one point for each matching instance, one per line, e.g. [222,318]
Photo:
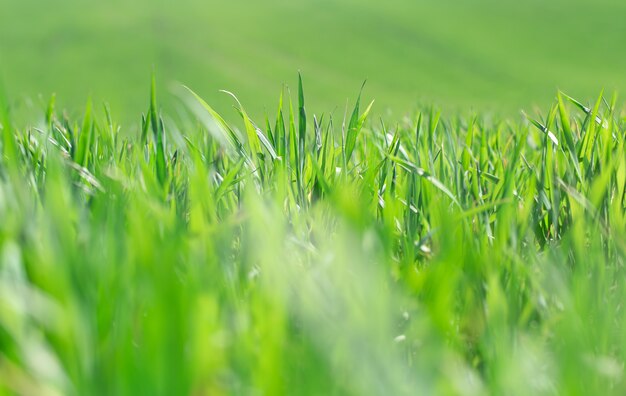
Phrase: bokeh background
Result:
[488,55]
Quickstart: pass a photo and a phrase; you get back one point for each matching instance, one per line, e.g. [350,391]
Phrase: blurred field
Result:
[495,55]
[185,254]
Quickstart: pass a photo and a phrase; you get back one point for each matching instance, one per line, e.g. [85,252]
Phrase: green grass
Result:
[309,253]
[497,56]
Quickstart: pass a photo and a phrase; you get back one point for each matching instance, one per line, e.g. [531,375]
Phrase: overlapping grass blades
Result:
[439,255]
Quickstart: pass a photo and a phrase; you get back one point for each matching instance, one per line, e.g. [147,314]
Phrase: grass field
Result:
[496,56]
[154,240]
[314,255]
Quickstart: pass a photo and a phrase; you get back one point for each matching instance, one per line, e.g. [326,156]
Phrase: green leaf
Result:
[425,175]
[355,125]
[158,131]
[251,130]
[301,124]
[223,133]
[543,129]
[84,137]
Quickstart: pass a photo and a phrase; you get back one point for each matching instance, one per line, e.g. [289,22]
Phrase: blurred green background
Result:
[486,55]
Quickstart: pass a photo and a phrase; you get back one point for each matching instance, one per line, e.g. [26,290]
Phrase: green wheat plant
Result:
[313,254]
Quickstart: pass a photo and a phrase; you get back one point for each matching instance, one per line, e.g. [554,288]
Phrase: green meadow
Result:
[200,198]
[496,56]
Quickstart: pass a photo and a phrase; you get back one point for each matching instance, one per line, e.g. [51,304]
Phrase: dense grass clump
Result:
[313,254]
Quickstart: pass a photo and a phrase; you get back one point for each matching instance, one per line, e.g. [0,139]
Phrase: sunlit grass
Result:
[309,254]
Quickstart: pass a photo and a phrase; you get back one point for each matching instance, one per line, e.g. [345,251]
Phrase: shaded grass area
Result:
[310,254]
